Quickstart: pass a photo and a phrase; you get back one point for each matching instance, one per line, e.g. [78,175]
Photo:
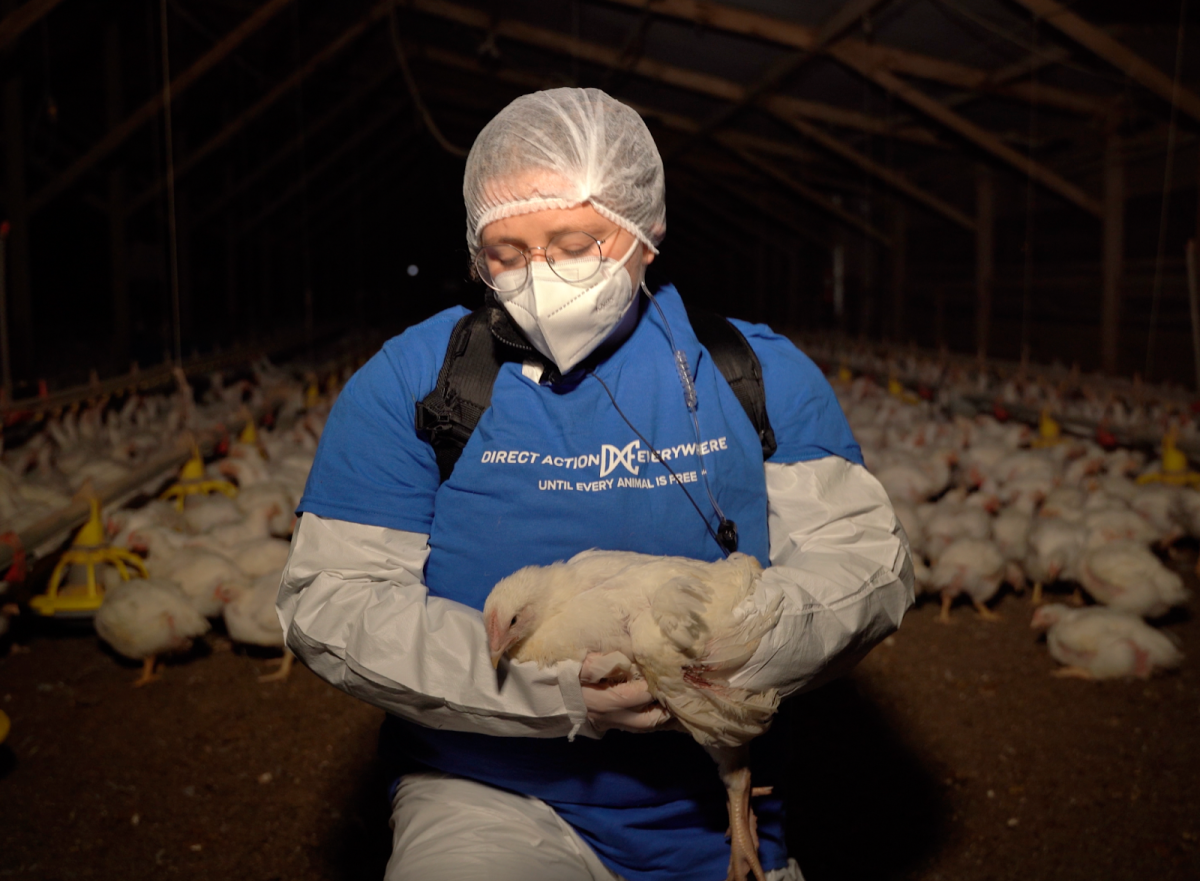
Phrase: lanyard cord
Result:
[689,398]
[725,535]
[658,458]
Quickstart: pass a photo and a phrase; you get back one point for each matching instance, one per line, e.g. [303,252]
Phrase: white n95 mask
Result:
[566,321]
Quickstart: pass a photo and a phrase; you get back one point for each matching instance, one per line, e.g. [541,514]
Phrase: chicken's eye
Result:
[513,623]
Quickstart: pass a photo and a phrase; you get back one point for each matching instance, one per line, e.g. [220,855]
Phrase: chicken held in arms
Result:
[684,626]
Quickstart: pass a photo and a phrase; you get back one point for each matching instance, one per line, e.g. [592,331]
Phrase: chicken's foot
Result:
[743,834]
[987,614]
[285,668]
[1072,673]
[944,617]
[148,674]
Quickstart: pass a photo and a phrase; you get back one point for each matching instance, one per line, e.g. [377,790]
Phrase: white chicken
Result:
[1054,550]
[121,524]
[1099,643]
[1117,524]
[1126,576]
[1064,502]
[145,618]
[913,479]
[972,566]
[913,527]
[203,513]
[248,543]
[948,521]
[1010,532]
[199,572]
[683,625]
[250,619]
[1189,516]
[1158,503]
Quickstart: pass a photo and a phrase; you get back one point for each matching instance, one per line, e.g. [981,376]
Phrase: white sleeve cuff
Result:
[839,561]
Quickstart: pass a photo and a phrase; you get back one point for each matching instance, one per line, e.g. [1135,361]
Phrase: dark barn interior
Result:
[966,212]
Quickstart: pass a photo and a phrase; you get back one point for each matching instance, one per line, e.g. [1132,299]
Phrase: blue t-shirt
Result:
[552,470]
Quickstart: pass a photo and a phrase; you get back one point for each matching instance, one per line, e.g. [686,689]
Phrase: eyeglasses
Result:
[572,256]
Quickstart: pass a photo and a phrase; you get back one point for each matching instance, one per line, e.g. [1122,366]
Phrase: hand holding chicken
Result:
[668,630]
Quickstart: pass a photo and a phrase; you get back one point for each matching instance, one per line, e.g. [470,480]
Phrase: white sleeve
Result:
[355,611]
[841,562]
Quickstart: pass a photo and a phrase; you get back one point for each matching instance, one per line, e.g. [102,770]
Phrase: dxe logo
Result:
[611,457]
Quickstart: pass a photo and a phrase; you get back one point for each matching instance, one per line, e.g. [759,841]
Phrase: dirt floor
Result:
[949,753]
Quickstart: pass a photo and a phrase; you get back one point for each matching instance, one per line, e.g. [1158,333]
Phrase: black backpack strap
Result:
[485,339]
[448,414]
[739,365]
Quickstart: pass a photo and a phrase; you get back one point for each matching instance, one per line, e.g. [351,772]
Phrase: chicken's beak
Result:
[496,656]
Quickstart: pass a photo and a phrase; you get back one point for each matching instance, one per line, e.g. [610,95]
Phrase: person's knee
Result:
[450,829]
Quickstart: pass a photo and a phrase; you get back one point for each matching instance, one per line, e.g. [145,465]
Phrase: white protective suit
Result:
[356,612]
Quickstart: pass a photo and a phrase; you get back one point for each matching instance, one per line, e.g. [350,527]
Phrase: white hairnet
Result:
[559,149]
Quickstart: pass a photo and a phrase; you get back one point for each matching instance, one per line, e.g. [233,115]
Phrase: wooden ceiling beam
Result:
[393,157]
[321,167]
[713,86]
[892,178]
[977,135]
[740,145]
[1116,54]
[261,169]
[833,28]
[786,218]
[789,33]
[808,194]
[118,134]
[22,19]
[867,61]
[239,122]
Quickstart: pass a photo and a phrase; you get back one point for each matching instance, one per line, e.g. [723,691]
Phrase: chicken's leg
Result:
[1037,593]
[148,674]
[732,763]
[285,667]
[1073,673]
[944,617]
[985,613]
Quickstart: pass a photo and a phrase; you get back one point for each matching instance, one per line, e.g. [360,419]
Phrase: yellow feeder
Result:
[1049,432]
[312,395]
[5,725]
[844,374]
[193,482]
[896,390]
[89,548]
[249,437]
[1174,465]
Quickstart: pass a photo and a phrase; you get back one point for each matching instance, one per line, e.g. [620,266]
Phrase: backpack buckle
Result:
[433,420]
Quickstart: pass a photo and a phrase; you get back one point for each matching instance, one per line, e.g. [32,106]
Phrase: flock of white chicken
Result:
[218,556]
[986,503]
